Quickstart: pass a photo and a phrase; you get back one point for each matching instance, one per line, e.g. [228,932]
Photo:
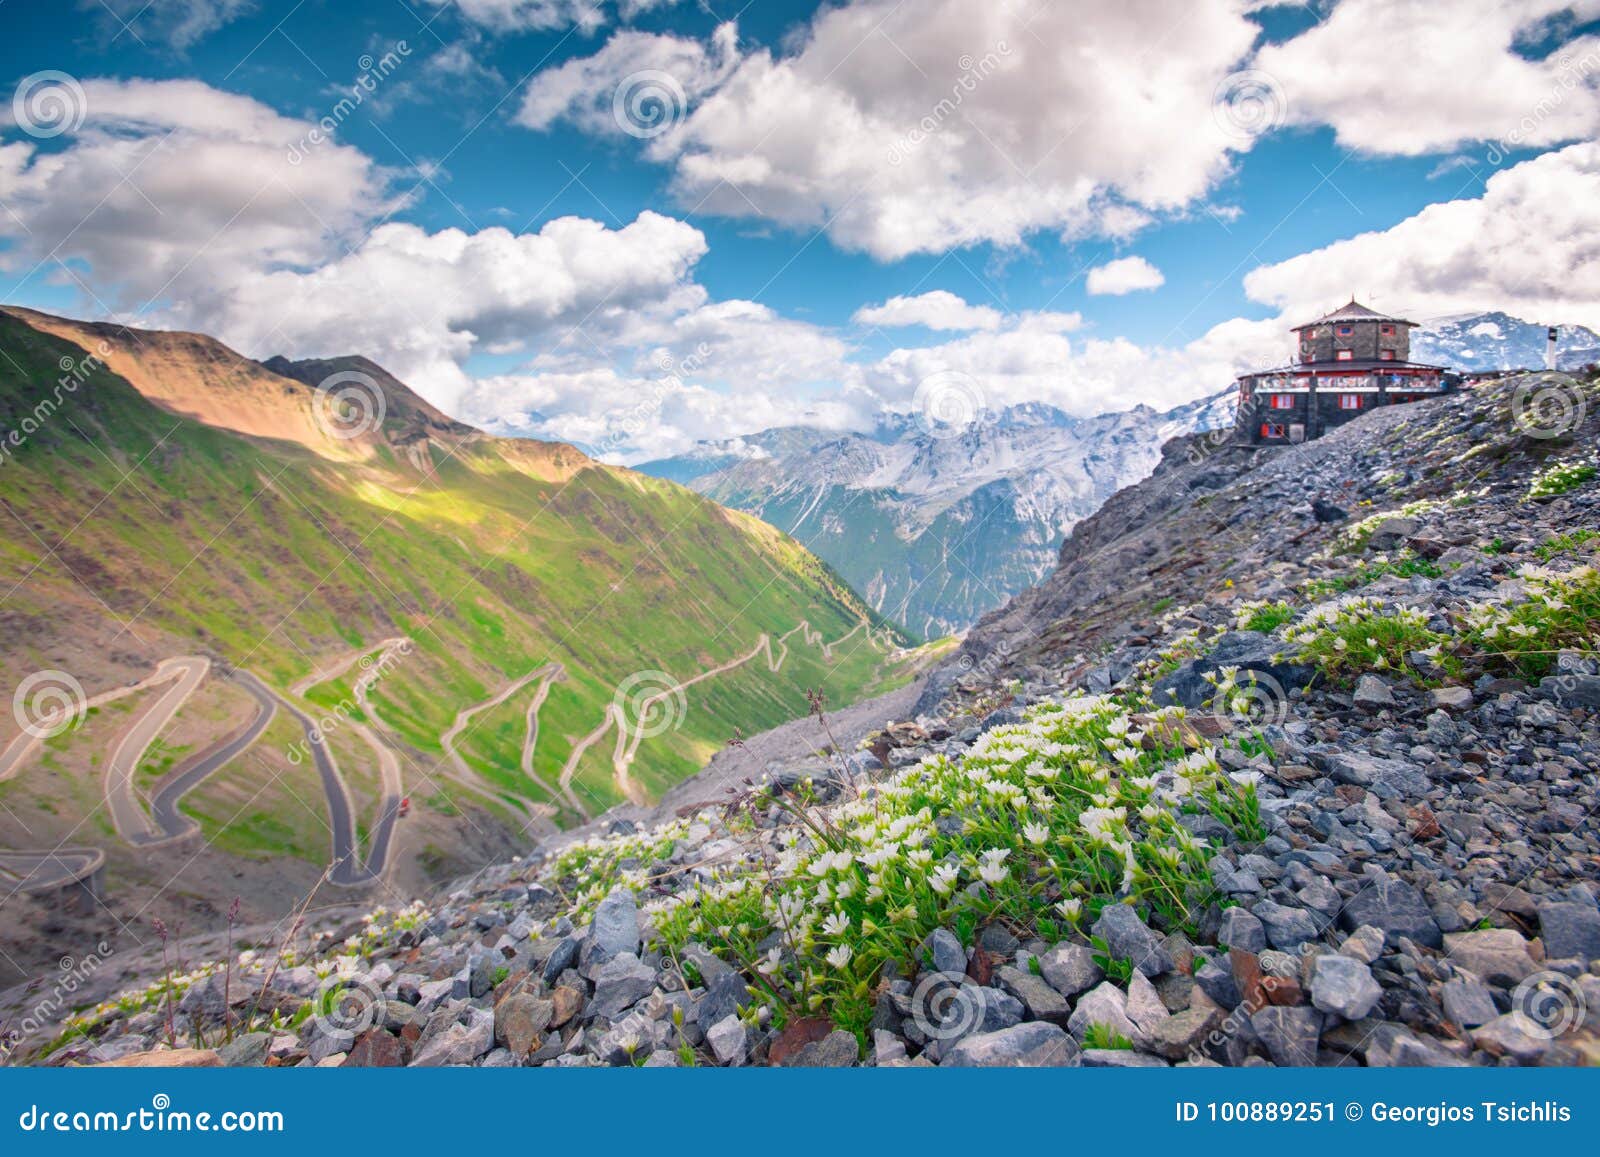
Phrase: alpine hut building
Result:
[1350,361]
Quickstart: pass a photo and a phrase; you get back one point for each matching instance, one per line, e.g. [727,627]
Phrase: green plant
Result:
[1115,967]
[1161,605]
[1264,617]
[1561,478]
[1407,565]
[1559,611]
[1356,635]
[1498,546]
[499,976]
[1562,543]
[1103,1036]
[1237,806]
[1051,818]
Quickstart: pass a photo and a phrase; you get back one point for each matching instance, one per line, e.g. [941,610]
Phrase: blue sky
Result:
[1227,167]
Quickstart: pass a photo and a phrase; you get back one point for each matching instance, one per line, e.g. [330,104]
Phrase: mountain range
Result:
[935,530]
[285,603]
[1496,341]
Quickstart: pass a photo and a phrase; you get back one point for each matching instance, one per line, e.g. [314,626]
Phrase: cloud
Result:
[422,303]
[904,129]
[638,85]
[175,23]
[586,16]
[1124,275]
[938,309]
[170,191]
[1448,72]
[1530,245]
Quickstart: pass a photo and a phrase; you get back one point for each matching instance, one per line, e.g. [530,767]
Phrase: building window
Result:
[1349,401]
[1388,331]
[1281,401]
[1343,355]
[1346,330]
[1386,355]
[1274,430]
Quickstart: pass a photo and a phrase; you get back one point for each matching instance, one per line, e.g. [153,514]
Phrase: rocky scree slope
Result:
[1304,776]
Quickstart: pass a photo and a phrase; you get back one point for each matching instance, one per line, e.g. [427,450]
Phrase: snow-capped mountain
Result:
[1497,341]
[935,531]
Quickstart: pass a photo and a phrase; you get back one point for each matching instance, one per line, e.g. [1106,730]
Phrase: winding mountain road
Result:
[348,869]
[24,744]
[132,822]
[547,674]
[171,789]
[40,871]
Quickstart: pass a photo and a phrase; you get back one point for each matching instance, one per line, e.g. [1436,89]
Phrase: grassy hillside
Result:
[148,530]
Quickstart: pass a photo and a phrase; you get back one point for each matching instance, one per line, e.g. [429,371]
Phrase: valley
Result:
[280,617]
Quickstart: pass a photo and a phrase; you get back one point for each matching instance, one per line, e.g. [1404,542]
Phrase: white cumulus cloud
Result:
[1530,245]
[938,309]
[1124,275]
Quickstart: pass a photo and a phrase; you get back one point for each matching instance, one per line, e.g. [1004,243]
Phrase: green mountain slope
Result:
[137,531]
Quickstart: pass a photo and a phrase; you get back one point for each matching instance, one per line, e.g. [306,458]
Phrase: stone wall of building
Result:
[1366,339]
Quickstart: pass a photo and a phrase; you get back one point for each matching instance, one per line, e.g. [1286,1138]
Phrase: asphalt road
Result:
[122,797]
[35,871]
[348,870]
[164,804]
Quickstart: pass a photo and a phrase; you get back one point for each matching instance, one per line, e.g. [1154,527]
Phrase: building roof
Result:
[1354,311]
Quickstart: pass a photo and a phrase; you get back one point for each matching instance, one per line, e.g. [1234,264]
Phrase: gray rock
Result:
[1467,1002]
[1070,969]
[977,1009]
[615,928]
[562,957]
[727,1041]
[1497,955]
[480,974]
[1289,1034]
[1036,1044]
[1364,944]
[1106,1005]
[1372,693]
[1286,927]
[460,1042]
[1384,778]
[246,1051]
[1120,1059]
[1395,908]
[837,1050]
[1128,938]
[1041,1000]
[1183,1035]
[1452,698]
[205,1000]
[945,951]
[1343,985]
[621,983]
[1509,1036]
[725,995]
[1242,929]
[1570,929]
[1145,1008]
